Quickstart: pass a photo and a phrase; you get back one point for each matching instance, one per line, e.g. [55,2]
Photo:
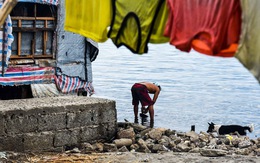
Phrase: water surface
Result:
[196,88]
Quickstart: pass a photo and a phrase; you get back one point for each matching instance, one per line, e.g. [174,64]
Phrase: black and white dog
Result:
[229,129]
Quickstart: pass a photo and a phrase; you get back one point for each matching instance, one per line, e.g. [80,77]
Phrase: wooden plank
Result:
[44,56]
[45,37]
[32,18]
[19,39]
[31,29]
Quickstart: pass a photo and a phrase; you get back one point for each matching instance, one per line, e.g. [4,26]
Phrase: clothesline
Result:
[216,28]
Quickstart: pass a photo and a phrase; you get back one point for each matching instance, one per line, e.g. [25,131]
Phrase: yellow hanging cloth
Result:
[248,52]
[89,18]
[157,36]
[133,22]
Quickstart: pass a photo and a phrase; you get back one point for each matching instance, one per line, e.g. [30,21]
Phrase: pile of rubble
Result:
[133,137]
[136,138]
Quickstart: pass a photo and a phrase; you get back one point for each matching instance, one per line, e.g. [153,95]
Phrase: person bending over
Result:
[140,92]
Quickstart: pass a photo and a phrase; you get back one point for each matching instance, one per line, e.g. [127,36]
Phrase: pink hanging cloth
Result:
[211,27]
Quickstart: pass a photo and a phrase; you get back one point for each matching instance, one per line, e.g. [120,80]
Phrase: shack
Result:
[38,58]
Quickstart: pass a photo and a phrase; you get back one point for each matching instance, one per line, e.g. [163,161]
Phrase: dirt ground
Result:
[134,157]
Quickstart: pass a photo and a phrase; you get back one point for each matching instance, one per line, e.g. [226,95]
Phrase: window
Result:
[34,31]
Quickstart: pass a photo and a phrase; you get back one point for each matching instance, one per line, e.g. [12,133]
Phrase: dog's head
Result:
[211,127]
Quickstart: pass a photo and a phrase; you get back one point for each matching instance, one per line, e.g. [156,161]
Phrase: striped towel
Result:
[52,2]
[67,84]
[8,39]
[27,75]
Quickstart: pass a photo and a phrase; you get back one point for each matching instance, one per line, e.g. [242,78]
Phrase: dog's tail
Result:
[250,128]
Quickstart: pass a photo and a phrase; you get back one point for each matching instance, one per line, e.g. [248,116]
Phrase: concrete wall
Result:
[50,124]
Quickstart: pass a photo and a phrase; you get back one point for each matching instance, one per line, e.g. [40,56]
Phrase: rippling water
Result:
[196,88]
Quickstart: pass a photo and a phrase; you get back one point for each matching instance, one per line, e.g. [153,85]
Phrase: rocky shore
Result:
[138,143]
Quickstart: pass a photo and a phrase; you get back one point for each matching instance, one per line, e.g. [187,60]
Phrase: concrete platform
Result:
[51,124]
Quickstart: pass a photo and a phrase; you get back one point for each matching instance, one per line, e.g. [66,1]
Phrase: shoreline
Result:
[138,143]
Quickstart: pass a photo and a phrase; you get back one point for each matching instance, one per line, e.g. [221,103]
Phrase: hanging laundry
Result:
[92,48]
[157,35]
[51,2]
[211,27]
[6,38]
[132,23]
[89,18]
[248,52]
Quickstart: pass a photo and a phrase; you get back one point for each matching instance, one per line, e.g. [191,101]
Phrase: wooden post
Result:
[3,49]
[192,128]
[7,7]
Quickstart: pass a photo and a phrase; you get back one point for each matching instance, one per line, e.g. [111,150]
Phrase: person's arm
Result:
[153,89]
[156,94]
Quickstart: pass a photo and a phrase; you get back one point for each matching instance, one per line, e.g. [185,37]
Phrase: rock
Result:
[170,132]
[138,136]
[123,149]
[149,143]
[195,150]
[212,152]
[162,130]
[180,134]
[213,141]
[171,145]
[192,135]
[244,144]
[87,148]
[138,127]
[183,147]
[159,147]
[122,142]
[126,133]
[201,144]
[135,126]
[164,140]
[244,151]
[235,142]
[219,141]
[141,143]
[203,137]
[110,147]
[142,133]
[74,150]
[176,139]
[227,141]
[155,134]
[224,147]
[257,152]
[98,147]
[142,146]
[134,147]
[254,141]
[192,145]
